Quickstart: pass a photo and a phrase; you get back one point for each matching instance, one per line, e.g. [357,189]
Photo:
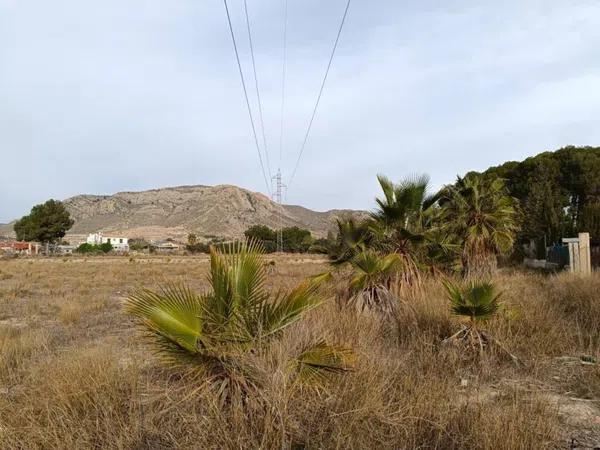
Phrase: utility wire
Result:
[320,94]
[260,111]
[237,57]
[283,73]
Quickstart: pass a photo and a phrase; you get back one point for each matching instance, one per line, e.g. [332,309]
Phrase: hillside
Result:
[209,211]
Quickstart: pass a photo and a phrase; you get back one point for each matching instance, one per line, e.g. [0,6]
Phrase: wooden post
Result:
[571,257]
[585,261]
[580,260]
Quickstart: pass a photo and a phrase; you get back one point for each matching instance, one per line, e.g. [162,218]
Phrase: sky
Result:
[102,97]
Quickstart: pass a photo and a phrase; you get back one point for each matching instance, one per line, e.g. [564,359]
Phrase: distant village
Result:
[119,244]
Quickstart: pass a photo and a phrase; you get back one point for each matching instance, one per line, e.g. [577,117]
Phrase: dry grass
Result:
[73,373]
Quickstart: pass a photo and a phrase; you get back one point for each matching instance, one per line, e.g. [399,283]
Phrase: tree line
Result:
[559,192]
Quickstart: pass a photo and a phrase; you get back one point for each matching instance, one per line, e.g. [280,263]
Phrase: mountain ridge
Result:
[223,211]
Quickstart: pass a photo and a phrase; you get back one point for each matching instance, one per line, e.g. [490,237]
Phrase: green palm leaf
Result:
[174,314]
[287,309]
[371,268]
[477,301]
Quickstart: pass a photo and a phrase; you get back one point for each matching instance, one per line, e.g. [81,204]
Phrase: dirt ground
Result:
[74,373]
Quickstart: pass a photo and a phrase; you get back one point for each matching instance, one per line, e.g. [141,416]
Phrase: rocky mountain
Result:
[209,211]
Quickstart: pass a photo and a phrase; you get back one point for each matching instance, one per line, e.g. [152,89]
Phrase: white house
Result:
[118,243]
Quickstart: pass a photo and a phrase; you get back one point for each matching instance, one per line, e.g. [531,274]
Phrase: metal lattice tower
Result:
[278,198]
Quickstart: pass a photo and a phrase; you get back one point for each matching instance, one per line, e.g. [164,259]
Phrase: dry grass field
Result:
[74,372]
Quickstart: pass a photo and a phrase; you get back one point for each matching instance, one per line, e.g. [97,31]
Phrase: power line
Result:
[237,57]
[260,112]
[320,93]
[283,73]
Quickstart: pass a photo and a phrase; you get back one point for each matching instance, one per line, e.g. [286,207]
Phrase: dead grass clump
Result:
[77,400]
[577,299]
[17,345]
[70,313]
[15,292]
[414,401]
[5,276]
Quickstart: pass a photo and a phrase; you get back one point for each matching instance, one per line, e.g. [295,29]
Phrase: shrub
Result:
[90,248]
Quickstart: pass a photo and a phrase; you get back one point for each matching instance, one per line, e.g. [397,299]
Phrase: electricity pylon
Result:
[278,198]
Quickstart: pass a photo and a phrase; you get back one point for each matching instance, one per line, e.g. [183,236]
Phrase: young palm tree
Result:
[476,303]
[400,224]
[214,334]
[483,217]
[372,283]
[352,237]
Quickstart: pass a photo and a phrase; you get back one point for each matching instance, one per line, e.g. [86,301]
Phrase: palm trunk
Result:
[479,265]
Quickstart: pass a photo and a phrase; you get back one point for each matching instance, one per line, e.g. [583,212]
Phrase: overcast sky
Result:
[113,95]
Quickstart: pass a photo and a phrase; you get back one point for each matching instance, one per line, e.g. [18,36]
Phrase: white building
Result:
[118,243]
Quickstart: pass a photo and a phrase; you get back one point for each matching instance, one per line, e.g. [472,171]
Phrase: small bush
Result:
[90,248]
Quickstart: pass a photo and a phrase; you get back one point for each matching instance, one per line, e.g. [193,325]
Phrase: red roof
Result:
[15,245]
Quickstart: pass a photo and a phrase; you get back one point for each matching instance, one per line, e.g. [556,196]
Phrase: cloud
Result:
[99,97]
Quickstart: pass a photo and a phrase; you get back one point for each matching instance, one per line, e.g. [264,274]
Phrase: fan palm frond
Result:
[372,268]
[352,236]
[287,309]
[173,314]
[477,301]
[371,284]
[317,363]
[402,202]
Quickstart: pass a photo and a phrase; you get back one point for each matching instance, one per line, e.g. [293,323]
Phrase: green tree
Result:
[215,334]
[321,246]
[105,247]
[86,248]
[566,180]
[483,216]
[590,220]
[543,210]
[90,248]
[264,235]
[46,223]
[296,240]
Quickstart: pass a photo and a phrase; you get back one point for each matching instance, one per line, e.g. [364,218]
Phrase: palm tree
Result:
[402,205]
[214,334]
[483,216]
[394,245]
[352,238]
[372,282]
[400,224]
[477,302]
